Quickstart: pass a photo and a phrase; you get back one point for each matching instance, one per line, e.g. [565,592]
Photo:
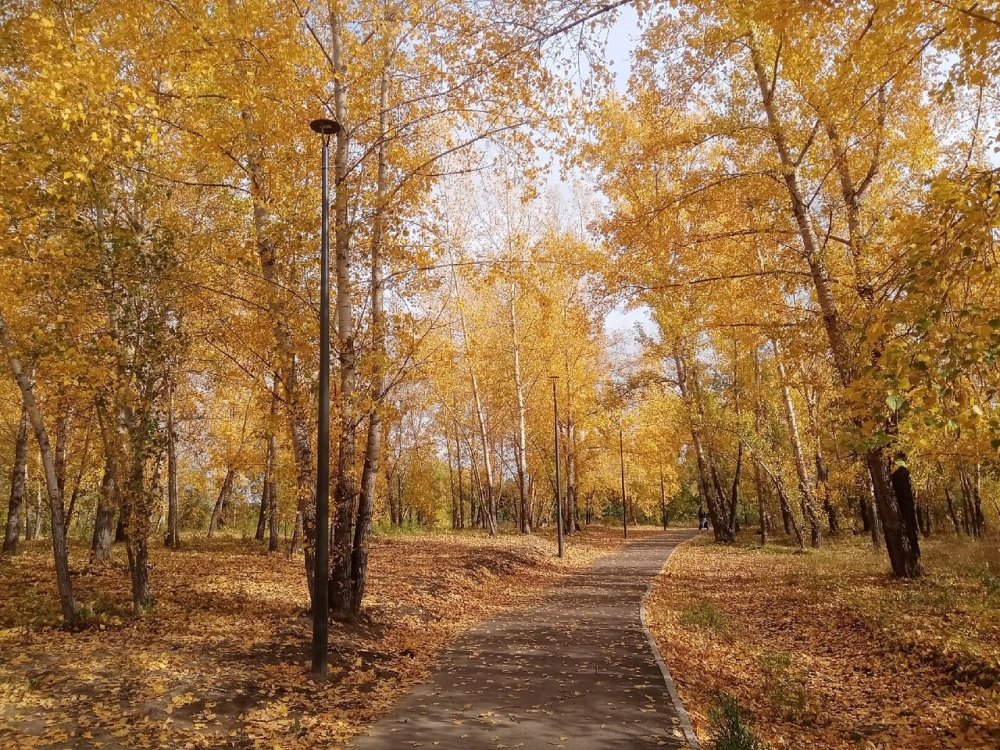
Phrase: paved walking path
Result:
[575,670]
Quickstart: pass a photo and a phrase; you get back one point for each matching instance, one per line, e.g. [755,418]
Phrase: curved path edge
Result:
[685,720]
[577,669]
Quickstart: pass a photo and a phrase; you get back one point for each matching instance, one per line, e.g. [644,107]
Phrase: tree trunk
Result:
[786,512]
[62,441]
[137,544]
[346,491]
[871,512]
[806,494]
[822,478]
[521,444]
[951,510]
[734,497]
[173,537]
[29,523]
[458,465]
[18,481]
[272,501]
[486,484]
[373,440]
[269,515]
[295,402]
[570,526]
[221,502]
[893,498]
[758,424]
[264,511]
[720,526]
[24,382]
[100,544]
[296,544]
[78,482]
[451,483]
[126,463]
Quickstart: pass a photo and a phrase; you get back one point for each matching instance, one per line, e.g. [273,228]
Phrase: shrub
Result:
[731,726]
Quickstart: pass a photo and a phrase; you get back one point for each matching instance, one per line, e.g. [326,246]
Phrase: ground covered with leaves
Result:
[827,650]
[222,660]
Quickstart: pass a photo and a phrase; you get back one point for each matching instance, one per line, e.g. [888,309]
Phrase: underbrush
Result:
[731,726]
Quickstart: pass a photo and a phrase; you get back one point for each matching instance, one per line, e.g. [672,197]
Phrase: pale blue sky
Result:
[622,38]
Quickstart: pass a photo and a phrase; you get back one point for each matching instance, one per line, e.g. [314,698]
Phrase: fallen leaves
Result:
[223,658]
[826,650]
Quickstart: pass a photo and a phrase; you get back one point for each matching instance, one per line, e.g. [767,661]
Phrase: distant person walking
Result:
[702,519]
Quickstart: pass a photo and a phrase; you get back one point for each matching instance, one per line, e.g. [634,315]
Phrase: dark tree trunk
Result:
[173,538]
[296,543]
[18,481]
[138,564]
[734,495]
[786,519]
[973,503]
[265,492]
[461,491]
[78,483]
[864,508]
[60,557]
[219,511]
[723,502]
[897,514]
[716,504]
[263,511]
[30,513]
[786,513]
[100,545]
[924,516]
[761,504]
[272,516]
[951,511]
[121,533]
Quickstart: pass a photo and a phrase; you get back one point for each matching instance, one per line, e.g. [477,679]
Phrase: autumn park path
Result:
[575,670]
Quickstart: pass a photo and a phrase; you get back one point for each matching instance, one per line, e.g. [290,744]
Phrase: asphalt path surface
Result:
[574,670]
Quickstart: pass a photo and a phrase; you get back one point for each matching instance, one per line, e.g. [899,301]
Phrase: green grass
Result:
[703,615]
[730,725]
[785,688]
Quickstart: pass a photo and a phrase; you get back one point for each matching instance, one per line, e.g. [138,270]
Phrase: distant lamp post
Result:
[663,501]
[555,420]
[621,456]
[320,602]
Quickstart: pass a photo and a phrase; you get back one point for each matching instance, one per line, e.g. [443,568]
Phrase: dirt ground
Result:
[222,660]
[827,650]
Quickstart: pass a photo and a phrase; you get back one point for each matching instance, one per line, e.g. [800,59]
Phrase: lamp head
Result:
[324,126]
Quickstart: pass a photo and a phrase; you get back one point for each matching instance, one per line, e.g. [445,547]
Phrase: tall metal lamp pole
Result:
[320,602]
[555,420]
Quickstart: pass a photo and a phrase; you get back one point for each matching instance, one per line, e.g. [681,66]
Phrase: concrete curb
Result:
[685,721]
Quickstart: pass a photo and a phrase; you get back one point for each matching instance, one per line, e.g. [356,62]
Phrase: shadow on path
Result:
[573,671]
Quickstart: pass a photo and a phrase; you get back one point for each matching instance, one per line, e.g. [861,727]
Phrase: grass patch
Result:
[730,725]
[704,616]
[785,688]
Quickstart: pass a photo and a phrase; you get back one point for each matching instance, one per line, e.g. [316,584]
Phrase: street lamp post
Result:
[555,420]
[320,602]
[621,455]
[663,501]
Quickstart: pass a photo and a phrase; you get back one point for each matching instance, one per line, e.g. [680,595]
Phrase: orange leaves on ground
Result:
[223,658]
[827,651]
